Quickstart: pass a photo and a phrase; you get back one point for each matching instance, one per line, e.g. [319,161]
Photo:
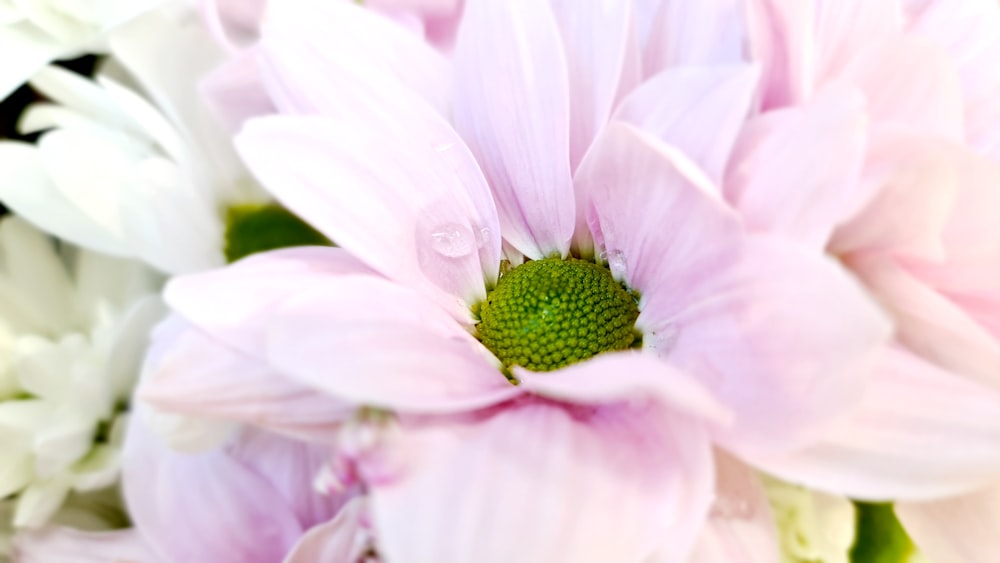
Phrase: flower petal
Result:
[625,376]
[234,91]
[190,373]
[781,37]
[911,82]
[740,525]
[600,484]
[234,303]
[809,159]
[34,50]
[408,204]
[699,110]
[602,60]
[341,539]
[960,529]
[912,184]
[631,186]
[369,341]
[968,31]
[845,28]
[931,324]
[709,32]
[302,43]
[168,55]
[29,192]
[785,339]
[919,433]
[512,108]
[201,507]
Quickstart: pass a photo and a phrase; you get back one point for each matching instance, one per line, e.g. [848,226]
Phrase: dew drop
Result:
[616,262]
[453,240]
[483,237]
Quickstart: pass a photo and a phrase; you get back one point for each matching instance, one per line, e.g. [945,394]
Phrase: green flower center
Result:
[547,314]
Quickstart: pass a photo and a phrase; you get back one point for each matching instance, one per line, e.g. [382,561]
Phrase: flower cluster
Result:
[643,281]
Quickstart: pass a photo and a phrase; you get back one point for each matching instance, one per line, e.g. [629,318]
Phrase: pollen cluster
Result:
[547,314]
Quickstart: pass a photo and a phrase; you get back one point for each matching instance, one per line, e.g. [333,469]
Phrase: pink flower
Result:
[884,115]
[604,459]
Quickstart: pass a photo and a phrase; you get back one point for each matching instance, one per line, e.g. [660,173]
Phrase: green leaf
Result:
[880,537]
[257,228]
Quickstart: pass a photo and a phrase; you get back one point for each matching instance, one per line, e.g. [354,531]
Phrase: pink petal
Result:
[291,467]
[740,525]
[847,27]
[602,60]
[955,530]
[512,108]
[632,186]
[67,545]
[699,110]
[235,92]
[340,539]
[782,39]
[205,507]
[625,376]
[968,31]
[912,182]
[970,237]
[303,43]
[234,303]
[399,201]
[368,341]
[785,340]
[931,324]
[189,372]
[920,433]
[233,23]
[910,82]
[540,482]
[808,158]
[709,32]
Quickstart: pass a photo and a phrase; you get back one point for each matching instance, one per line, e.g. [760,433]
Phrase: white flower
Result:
[145,176]
[36,32]
[73,329]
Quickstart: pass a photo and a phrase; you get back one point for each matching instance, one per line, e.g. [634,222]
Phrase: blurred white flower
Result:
[139,171]
[40,31]
[73,329]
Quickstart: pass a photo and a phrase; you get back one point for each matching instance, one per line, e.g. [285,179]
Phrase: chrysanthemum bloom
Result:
[886,113]
[638,320]
[113,170]
[73,327]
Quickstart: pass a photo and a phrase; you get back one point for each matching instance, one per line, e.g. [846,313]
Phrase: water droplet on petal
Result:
[616,263]
[453,240]
[444,147]
[483,237]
